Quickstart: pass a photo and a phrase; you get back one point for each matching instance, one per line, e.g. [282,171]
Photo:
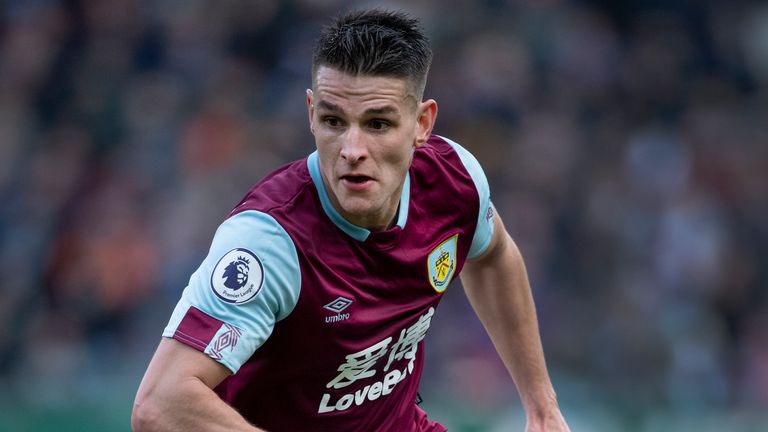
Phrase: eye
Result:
[333,122]
[379,125]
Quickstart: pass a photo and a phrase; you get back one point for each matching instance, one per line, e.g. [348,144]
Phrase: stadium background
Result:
[625,142]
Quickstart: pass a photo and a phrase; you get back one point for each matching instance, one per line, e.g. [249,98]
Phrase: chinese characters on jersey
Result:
[362,364]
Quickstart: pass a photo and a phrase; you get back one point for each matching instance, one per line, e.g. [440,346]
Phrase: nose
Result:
[353,146]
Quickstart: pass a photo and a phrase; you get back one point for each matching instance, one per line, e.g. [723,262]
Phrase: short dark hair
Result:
[376,42]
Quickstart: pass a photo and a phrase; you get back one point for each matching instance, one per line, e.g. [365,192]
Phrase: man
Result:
[310,309]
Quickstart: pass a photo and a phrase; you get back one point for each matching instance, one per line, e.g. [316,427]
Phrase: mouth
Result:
[356,178]
[356,182]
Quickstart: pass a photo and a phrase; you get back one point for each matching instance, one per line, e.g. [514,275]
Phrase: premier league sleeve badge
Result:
[238,276]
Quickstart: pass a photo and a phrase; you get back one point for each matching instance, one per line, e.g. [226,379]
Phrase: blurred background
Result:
[626,144]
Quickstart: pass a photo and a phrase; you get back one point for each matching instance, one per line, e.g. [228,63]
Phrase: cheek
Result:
[326,149]
[398,148]
[398,160]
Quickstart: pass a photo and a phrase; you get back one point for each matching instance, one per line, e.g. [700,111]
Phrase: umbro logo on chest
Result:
[338,306]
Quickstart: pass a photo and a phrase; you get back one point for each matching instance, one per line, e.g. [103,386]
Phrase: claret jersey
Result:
[320,321]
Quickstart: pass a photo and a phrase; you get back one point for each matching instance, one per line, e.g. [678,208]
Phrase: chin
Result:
[357,210]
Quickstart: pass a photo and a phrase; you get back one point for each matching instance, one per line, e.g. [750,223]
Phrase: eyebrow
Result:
[387,109]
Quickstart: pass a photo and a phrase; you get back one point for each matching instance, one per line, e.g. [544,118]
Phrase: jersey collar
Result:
[354,231]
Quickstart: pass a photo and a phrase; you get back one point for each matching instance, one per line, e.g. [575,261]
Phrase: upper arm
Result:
[484,230]
[490,242]
[499,242]
[249,281]
[175,362]
[176,376]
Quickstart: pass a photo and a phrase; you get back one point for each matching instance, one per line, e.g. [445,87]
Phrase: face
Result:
[366,129]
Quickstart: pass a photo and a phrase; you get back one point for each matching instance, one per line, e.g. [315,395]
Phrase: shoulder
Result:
[455,165]
[438,147]
[448,150]
[278,189]
[447,157]
[249,280]
[448,145]
[256,243]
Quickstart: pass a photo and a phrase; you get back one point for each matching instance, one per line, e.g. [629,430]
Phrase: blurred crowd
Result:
[626,144]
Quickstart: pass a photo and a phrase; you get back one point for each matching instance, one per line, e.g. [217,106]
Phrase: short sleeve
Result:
[484,230]
[249,281]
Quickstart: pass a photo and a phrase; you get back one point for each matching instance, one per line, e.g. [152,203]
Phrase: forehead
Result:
[341,88]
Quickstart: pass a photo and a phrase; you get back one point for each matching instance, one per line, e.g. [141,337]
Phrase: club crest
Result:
[237,277]
[441,263]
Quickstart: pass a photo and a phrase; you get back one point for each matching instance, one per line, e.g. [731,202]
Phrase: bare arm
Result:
[176,393]
[497,287]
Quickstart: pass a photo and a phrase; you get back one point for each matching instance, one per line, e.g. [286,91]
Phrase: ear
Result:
[426,121]
[311,111]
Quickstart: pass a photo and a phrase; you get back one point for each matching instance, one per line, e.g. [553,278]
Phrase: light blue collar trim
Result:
[405,199]
[354,231]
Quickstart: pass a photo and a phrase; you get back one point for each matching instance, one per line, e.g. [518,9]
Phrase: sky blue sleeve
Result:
[484,230]
[249,281]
